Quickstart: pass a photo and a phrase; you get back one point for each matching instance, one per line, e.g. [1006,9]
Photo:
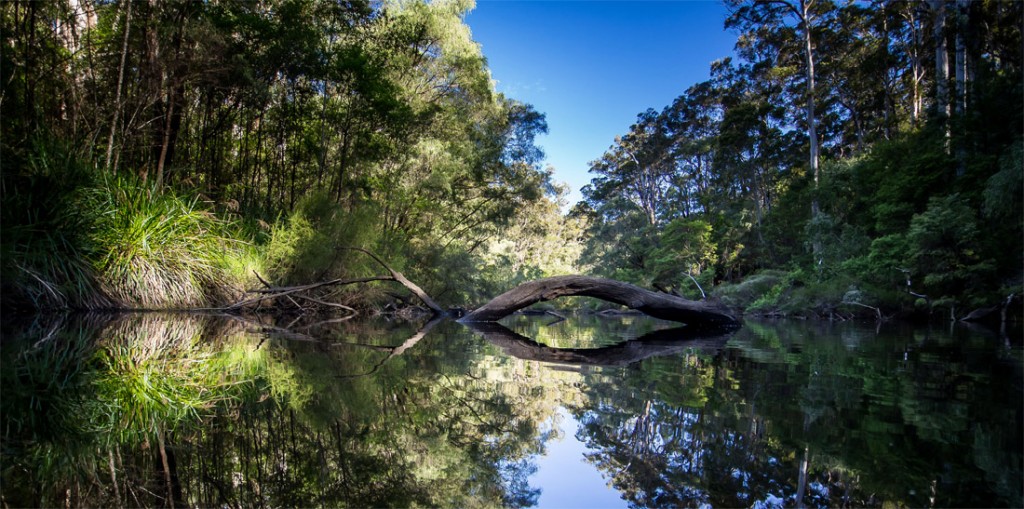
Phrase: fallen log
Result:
[658,305]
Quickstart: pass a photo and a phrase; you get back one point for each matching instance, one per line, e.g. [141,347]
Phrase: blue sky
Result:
[591,66]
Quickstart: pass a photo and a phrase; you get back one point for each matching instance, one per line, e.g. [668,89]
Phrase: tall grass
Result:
[77,237]
[158,249]
[44,232]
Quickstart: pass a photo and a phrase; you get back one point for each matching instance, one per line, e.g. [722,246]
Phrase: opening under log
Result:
[658,305]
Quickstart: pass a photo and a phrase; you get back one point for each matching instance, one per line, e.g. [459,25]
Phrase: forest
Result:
[851,158]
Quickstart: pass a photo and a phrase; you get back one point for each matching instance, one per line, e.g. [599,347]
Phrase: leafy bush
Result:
[945,250]
[305,247]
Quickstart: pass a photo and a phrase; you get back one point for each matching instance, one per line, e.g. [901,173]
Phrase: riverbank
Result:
[795,294]
[76,237]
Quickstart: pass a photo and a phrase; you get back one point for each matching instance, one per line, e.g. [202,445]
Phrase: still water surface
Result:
[185,410]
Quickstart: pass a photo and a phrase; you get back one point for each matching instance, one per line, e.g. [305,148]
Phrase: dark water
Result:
[200,411]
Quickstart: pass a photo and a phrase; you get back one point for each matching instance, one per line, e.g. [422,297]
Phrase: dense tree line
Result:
[858,152]
[871,150]
[381,116]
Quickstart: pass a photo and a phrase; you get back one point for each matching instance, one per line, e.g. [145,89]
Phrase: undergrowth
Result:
[159,249]
[77,237]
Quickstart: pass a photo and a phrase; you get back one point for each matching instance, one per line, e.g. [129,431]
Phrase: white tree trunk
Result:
[120,81]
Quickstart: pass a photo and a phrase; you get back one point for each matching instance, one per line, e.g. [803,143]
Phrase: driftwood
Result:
[397,276]
[653,344]
[658,305]
[270,292]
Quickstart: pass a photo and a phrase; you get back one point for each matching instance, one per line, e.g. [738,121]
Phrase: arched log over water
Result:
[658,305]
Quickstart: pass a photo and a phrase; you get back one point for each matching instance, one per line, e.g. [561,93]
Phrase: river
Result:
[189,410]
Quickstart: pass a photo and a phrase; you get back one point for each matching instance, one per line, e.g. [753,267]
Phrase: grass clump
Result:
[45,243]
[755,288]
[77,237]
[159,250]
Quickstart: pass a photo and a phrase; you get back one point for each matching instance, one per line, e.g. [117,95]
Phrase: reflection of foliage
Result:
[94,389]
[585,331]
[154,410]
[876,419]
[127,413]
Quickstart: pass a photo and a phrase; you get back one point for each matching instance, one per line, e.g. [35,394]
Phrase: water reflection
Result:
[652,344]
[151,410]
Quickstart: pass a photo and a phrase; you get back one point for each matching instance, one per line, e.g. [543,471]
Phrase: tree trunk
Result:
[960,57]
[941,59]
[960,73]
[812,123]
[658,305]
[916,67]
[120,82]
[812,127]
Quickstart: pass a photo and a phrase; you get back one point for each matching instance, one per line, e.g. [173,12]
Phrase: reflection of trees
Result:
[142,410]
[812,422]
[164,412]
[653,344]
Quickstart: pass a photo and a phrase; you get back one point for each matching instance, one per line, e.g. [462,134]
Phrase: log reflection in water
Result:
[653,344]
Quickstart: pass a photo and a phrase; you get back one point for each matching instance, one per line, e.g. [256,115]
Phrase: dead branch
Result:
[877,311]
[282,291]
[270,292]
[397,276]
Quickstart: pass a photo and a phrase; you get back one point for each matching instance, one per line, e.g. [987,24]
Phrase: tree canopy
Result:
[841,145]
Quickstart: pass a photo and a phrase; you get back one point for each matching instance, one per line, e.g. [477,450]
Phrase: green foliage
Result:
[1002,196]
[376,124]
[751,289]
[327,124]
[158,250]
[74,237]
[307,246]
[46,240]
[686,249]
[945,242]
[900,177]
[733,152]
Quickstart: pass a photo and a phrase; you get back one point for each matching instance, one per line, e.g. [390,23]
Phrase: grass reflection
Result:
[98,386]
[143,410]
[147,410]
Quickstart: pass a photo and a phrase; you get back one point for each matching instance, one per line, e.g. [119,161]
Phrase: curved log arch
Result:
[658,305]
